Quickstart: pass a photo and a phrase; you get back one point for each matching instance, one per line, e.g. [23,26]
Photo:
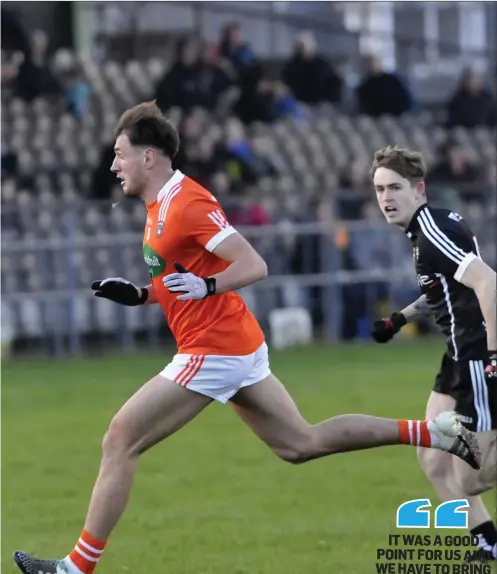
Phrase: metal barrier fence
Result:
[340,273]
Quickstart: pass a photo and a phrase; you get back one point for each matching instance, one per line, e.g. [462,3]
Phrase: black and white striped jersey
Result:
[443,247]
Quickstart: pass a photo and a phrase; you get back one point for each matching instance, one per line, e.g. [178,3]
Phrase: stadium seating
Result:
[57,153]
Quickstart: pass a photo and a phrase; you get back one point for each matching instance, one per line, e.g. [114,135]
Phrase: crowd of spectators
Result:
[229,80]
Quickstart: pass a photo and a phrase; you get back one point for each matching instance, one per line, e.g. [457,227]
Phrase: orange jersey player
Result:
[196,261]
[186,224]
[184,227]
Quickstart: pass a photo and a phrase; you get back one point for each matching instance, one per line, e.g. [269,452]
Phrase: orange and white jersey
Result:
[186,224]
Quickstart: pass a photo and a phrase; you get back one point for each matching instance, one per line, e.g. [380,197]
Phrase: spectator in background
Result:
[10,68]
[269,101]
[179,86]
[355,177]
[102,179]
[453,167]
[381,92]
[472,104]
[215,76]
[75,89]
[204,161]
[194,79]
[257,103]
[250,211]
[244,161]
[234,48]
[285,103]
[76,92]
[189,133]
[309,76]
[9,160]
[220,186]
[14,37]
[35,77]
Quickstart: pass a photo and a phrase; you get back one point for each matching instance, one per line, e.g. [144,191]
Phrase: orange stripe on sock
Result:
[92,541]
[404,437]
[82,563]
[88,551]
[425,439]
[88,563]
[420,433]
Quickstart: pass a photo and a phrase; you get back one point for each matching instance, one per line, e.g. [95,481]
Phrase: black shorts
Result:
[465,382]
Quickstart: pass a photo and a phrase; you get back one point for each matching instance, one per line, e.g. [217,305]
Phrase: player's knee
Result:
[291,455]
[474,485]
[299,451]
[433,466]
[116,441]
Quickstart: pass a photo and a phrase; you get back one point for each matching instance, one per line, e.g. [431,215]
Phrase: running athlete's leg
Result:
[154,412]
[439,467]
[474,482]
[271,412]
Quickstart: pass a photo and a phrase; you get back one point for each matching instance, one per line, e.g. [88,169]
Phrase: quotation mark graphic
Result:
[416,514]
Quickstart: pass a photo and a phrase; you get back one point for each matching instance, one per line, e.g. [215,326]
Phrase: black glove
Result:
[385,329]
[491,369]
[120,291]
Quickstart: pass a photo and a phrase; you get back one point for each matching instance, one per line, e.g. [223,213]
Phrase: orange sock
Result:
[86,554]
[415,433]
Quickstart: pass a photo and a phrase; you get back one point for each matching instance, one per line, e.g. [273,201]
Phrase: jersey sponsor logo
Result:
[156,264]
[219,219]
[455,216]
[467,420]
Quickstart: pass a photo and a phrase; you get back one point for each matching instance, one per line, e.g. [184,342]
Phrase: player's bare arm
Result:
[152,297]
[482,279]
[247,266]
[416,310]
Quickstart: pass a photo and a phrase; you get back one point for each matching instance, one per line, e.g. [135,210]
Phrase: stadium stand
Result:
[307,167]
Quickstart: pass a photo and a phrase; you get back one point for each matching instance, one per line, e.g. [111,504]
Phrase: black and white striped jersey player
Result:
[459,289]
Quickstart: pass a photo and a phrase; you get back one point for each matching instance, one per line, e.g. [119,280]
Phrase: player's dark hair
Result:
[408,164]
[146,126]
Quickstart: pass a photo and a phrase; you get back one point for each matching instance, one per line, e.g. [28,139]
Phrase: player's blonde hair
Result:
[408,164]
[145,125]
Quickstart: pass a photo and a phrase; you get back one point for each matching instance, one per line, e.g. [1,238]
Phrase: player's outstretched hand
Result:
[120,291]
[191,286]
[491,369]
[386,329]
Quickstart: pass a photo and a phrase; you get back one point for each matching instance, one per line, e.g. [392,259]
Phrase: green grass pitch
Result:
[213,499]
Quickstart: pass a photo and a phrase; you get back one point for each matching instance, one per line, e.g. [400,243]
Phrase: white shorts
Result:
[218,376]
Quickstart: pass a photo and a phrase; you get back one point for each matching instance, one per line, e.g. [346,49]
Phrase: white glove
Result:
[191,286]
